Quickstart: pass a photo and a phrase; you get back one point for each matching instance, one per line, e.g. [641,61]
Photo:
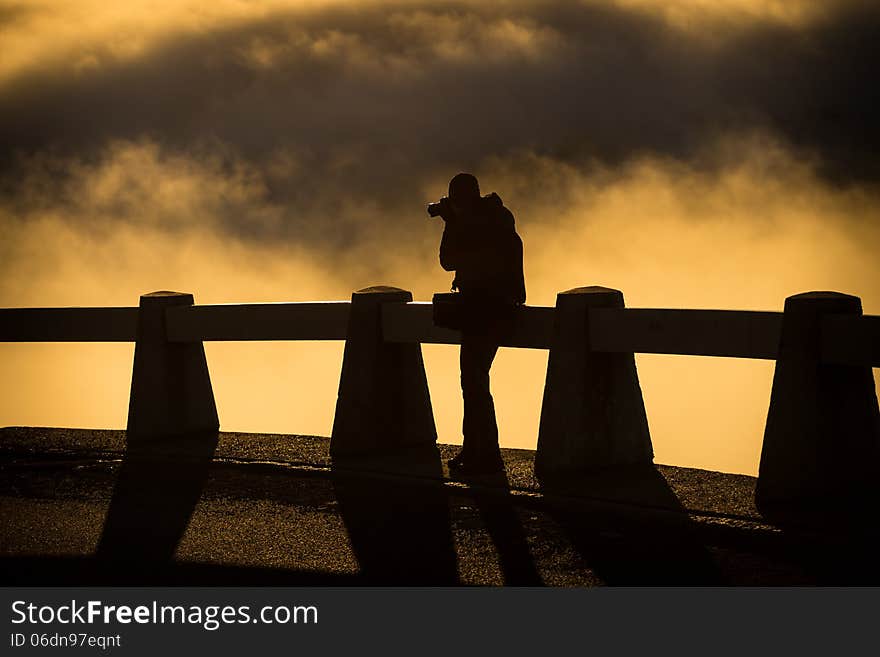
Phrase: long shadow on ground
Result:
[156,492]
[493,499]
[400,533]
[631,552]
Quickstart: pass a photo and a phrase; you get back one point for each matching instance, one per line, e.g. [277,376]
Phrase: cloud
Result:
[418,88]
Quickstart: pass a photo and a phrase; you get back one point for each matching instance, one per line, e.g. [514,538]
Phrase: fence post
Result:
[171,392]
[383,391]
[593,414]
[822,438]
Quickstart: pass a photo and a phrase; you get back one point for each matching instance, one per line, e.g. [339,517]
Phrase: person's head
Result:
[464,190]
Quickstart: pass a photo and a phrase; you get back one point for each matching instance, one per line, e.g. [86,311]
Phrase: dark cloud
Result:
[342,108]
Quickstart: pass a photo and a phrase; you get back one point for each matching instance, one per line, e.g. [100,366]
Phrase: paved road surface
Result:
[75,508]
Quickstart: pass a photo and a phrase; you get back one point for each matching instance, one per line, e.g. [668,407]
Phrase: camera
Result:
[441,208]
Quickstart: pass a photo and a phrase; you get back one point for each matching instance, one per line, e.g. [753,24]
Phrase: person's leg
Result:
[491,452]
[479,427]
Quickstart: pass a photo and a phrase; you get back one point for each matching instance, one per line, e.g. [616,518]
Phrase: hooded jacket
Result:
[484,250]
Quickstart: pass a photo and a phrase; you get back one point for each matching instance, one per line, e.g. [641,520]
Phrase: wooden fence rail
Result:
[846,340]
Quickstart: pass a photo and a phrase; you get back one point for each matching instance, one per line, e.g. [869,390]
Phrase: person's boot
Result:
[457,461]
[482,462]
[482,467]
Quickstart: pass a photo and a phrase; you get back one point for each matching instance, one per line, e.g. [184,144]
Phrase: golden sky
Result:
[693,154]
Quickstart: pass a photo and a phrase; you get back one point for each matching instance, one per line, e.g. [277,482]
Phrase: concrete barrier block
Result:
[593,414]
[171,394]
[822,438]
[383,397]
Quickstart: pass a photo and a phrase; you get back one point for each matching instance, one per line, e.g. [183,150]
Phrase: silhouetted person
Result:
[481,245]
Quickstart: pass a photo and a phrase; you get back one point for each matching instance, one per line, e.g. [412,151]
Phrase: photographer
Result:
[481,245]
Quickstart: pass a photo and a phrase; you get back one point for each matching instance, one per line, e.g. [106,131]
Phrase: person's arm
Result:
[461,246]
[450,248]
[481,245]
